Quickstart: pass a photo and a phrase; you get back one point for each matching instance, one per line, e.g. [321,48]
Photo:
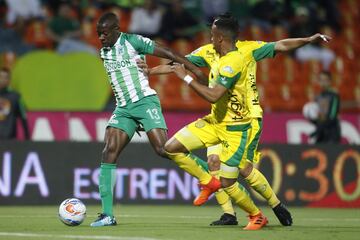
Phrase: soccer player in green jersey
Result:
[137,103]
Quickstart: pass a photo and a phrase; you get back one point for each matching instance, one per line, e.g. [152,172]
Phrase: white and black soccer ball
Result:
[72,212]
[311,110]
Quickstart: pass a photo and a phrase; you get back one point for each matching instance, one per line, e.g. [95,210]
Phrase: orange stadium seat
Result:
[35,34]
[7,59]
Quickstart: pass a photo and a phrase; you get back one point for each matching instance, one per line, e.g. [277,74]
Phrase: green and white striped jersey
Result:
[127,81]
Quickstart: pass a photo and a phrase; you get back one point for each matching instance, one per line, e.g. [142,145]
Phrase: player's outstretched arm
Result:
[289,44]
[164,52]
[158,70]
[211,95]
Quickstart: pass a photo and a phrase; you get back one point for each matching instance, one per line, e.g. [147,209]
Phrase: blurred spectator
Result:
[11,109]
[327,123]
[329,14]
[23,9]
[65,30]
[178,23]
[304,25]
[146,20]
[11,38]
[127,4]
[321,12]
[213,8]
[262,16]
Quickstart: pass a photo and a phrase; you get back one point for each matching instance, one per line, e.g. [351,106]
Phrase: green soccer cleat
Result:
[104,220]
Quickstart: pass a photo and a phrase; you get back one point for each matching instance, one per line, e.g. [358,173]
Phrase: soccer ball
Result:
[311,110]
[72,212]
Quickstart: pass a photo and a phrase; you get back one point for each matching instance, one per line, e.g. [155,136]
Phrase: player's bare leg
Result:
[229,216]
[158,138]
[191,164]
[258,182]
[115,141]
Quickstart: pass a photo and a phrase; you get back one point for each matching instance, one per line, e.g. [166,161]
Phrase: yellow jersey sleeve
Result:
[230,68]
[201,57]
[258,49]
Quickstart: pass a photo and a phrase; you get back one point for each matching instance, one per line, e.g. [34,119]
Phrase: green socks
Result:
[107,181]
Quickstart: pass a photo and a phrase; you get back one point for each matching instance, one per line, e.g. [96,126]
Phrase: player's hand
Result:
[320,37]
[179,70]
[143,67]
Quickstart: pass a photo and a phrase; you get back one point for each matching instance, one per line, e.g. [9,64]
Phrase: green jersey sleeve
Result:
[141,44]
[196,60]
[265,51]
[201,57]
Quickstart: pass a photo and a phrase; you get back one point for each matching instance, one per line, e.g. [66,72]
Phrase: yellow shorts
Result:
[214,150]
[238,142]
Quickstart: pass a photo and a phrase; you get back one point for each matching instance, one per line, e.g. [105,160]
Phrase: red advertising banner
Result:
[48,172]
[90,126]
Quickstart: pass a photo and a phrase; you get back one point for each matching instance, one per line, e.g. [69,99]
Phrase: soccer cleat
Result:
[104,220]
[225,219]
[256,222]
[206,190]
[283,214]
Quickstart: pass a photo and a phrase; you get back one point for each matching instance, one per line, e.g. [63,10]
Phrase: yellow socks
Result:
[222,197]
[189,164]
[242,198]
[259,183]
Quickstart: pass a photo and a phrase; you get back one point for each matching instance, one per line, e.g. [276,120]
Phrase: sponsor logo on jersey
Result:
[116,65]
[200,124]
[223,80]
[228,69]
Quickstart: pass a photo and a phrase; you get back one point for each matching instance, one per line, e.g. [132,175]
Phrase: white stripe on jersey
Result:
[120,100]
[143,79]
[127,76]
[119,71]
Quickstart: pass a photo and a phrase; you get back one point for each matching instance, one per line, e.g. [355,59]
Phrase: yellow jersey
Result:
[242,99]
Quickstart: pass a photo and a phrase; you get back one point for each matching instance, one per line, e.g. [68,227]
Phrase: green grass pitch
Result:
[137,222]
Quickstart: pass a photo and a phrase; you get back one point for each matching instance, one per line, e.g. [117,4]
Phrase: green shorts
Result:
[147,111]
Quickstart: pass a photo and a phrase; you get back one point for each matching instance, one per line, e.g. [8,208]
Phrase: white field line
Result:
[356,219]
[50,236]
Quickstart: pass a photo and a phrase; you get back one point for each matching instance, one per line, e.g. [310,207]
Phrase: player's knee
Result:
[169,148]
[109,153]
[213,162]
[245,171]
[227,182]
[174,146]
[160,150]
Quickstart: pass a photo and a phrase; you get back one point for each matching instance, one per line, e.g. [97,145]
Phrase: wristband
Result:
[188,79]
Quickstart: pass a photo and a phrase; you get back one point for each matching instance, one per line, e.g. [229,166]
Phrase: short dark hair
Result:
[110,18]
[227,24]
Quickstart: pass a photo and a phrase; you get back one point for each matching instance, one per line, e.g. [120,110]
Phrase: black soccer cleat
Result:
[225,219]
[283,214]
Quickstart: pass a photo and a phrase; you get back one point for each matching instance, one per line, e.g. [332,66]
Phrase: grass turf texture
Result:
[176,222]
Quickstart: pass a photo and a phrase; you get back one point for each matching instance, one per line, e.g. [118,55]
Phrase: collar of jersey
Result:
[118,40]
[116,43]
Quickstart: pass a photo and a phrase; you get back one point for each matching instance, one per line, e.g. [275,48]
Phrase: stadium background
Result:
[69,101]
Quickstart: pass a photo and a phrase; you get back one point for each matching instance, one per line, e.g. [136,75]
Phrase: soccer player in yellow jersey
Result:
[235,120]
